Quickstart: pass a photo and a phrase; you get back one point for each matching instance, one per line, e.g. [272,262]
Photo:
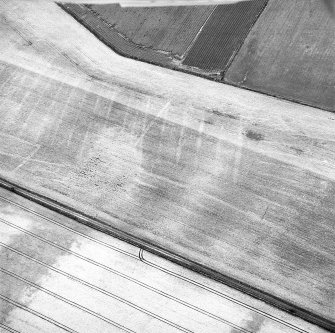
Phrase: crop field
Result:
[290,53]
[154,35]
[112,38]
[223,35]
[169,29]
[239,183]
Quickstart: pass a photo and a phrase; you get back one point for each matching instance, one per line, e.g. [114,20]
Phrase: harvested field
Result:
[290,53]
[223,35]
[237,183]
[167,29]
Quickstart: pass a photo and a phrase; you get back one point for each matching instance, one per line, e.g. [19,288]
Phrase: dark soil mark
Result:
[209,122]
[217,113]
[227,115]
[297,150]
[254,135]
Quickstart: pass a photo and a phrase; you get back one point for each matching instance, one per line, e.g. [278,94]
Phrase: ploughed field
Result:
[223,35]
[234,181]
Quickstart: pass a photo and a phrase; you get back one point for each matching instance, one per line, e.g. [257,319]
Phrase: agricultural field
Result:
[113,39]
[229,181]
[290,53]
[166,29]
[223,35]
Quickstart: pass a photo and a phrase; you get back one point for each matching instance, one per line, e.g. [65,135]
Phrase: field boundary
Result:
[104,227]
[115,41]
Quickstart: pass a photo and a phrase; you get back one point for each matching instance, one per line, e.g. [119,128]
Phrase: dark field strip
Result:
[223,35]
[103,31]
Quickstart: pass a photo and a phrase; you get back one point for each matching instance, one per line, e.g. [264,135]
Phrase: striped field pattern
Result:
[223,35]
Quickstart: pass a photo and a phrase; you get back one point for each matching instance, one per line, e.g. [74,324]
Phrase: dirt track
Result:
[237,181]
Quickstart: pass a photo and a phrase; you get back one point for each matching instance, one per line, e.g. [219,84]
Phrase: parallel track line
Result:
[96,288]
[114,248]
[65,300]
[37,314]
[103,291]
